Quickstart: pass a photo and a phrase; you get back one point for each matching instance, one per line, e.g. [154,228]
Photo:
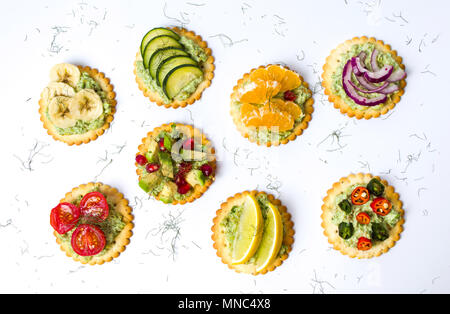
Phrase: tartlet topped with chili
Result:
[362,216]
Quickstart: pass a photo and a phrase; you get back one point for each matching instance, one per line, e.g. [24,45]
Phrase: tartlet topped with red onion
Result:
[364,77]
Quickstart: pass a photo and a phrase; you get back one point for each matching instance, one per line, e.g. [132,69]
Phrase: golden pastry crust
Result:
[189,131]
[331,230]
[332,62]
[245,131]
[91,135]
[219,237]
[207,67]
[120,204]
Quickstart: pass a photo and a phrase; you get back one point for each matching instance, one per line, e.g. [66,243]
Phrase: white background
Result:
[408,147]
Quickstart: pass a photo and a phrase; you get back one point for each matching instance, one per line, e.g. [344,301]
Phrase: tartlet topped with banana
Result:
[77,105]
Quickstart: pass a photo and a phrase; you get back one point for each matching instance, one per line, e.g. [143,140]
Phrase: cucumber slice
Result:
[162,54]
[179,77]
[158,31]
[169,64]
[156,43]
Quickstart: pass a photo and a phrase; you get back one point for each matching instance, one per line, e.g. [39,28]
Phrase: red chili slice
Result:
[364,244]
[64,217]
[360,196]
[363,218]
[88,240]
[94,205]
[381,206]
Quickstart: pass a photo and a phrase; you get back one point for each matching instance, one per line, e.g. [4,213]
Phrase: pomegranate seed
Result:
[206,169]
[189,144]
[289,95]
[152,167]
[161,145]
[185,167]
[183,189]
[141,160]
[180,180]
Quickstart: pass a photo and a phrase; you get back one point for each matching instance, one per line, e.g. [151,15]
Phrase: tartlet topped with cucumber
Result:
[173,66]
[362,216]
[78,104]
[175,163]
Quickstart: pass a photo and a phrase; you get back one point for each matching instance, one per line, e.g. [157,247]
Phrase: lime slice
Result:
[249,231]
[271,239]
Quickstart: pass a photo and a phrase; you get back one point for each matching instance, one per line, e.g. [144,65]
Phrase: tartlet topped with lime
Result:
[173,66]
[252,232]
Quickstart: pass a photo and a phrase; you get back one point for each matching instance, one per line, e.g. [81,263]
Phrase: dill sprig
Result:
[171,227]
[34,152]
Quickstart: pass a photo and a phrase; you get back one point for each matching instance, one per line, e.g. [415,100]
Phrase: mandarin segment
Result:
[267,117]
[288,106]
[259,90]
[288,79]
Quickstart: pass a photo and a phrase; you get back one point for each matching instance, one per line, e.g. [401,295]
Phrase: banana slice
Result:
[66,73]
[57,89]
[86,105]
[60,113]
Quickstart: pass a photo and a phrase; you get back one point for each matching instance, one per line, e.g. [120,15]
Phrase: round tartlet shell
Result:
[298,130]
[121,204]
[91,135]
[208,74]
[331,64]
[198,189]
[218,235]
[331,230]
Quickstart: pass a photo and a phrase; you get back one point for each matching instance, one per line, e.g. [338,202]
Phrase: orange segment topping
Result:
[259,91]
[260,108]
[275,113]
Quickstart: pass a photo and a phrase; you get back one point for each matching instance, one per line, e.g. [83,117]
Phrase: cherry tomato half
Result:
[381,206]
[88,240]
[64,217]
[360,196]
[364,244]
[94,205]
[363,218]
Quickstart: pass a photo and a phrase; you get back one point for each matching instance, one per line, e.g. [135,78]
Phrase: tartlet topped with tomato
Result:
[92,223]
[362,216]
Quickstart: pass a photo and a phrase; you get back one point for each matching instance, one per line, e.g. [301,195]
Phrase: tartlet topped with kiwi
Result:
[173,66]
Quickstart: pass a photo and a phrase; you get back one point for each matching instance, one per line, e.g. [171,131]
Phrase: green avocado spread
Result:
[81,127]
[383,58]
[111,227]
[264,135]
[231,221]
[195,52]
[360,230]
